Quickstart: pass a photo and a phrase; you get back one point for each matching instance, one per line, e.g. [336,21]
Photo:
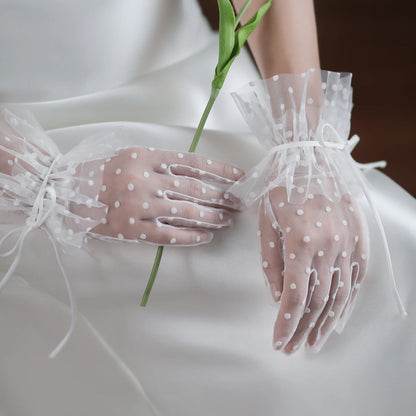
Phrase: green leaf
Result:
[226,33]
[246,30]
[239,38]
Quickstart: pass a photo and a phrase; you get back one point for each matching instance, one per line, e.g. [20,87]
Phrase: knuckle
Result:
[295,300]
[187,211]
[317,303]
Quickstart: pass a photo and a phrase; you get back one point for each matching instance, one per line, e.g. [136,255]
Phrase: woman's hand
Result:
[165,197]
[314,257]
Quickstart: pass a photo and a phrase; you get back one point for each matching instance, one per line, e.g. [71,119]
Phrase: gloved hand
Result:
[314,256]
[314,236]
[165,197]
[110,188]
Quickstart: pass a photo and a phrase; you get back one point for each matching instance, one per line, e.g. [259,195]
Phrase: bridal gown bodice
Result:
[203,344]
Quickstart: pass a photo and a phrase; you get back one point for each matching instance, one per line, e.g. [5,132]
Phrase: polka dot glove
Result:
[314,236]
[109,188]
[314,256]
[165,197]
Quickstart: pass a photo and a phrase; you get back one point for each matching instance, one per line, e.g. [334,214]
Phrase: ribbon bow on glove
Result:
[314,236]
[107,187]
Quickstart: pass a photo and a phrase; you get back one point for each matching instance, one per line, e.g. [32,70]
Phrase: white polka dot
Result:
[176,183]
[326,298]
[203,190]
[143,236]
[145,205]
[265,264]
[317,282]
[331,314]
[288,229]
[180,155]
[310,196]
[146,174]
[108,159]
[282,107]
[271,244]
[277,343]
[290,89]
[103,221]
[198,238]
[356,238]
[363,256]
[173,240]
[293,286]
[274,225]
[201,214]
[312,325]
[102,167]
[133,155]
[320,253]
[117,204]
[328,209]
[130,186]
[318,224]
[308,270]
[118,171]
[281,204]
[90,182]
[10,162]
[275,77]
[306,239]
[152,149]
[132,220]
[344,254]
[221,216]
[226,196]
[336,237]
[301,190]
[287,315]
[91,173]
[299,212]
[344,222]
[258,233]
[71,232]
[310,100]
[255,175]
[351,209]
[292,256]
[341,284]
[120,236]
[174,210]
[235,171]
[160,192]
[277,293]
[209,162]
[89,203]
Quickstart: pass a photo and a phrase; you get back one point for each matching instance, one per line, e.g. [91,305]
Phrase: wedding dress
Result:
[203,344]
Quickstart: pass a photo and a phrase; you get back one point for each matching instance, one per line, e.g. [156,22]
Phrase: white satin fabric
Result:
[203,345]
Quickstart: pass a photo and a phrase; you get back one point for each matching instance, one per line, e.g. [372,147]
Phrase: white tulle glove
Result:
[314,236]
[106,187]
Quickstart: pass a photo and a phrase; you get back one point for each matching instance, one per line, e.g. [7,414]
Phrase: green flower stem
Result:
[192,148]
[212,97]
[231,40]
[152,277]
